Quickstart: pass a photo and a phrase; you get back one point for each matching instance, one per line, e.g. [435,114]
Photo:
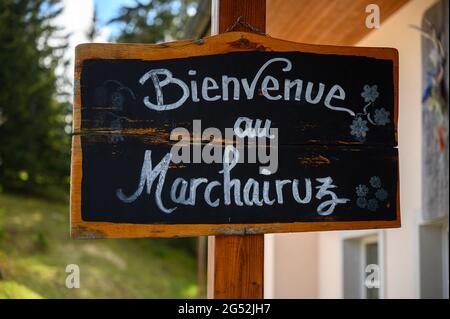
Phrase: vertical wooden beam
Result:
[239,267]
[253,12]
[236,262]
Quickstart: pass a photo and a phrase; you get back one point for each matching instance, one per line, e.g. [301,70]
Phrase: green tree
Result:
[153,21]
[93,29]
[34,148]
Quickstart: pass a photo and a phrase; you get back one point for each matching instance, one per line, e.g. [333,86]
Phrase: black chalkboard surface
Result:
[325,117]
[365,177]
[112,95]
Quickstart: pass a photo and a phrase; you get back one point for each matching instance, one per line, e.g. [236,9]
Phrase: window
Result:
[445,259]
[362,266]
[370,257]
[433,245]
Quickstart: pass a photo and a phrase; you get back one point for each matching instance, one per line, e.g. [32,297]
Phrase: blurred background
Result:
[37,40]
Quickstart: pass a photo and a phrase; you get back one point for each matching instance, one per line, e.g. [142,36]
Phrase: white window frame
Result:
[367,236]
[372,239]
[441,224]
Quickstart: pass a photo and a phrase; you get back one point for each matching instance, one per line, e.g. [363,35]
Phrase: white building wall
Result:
[310,265]
[400,245]
[291,265]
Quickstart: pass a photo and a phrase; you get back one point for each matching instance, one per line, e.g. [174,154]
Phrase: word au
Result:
[289,89]
[262,144]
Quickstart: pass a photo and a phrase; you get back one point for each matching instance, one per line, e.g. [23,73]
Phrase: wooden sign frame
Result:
[224,43]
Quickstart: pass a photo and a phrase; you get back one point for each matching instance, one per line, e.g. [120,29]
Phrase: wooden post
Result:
[236,262]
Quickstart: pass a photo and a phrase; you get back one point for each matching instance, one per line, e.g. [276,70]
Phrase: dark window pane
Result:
[371,258]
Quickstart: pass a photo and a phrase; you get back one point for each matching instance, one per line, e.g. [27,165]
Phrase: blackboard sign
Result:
[234,134]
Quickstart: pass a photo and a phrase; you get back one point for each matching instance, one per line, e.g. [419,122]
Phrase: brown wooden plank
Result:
[112,163]
[84,229]
[246,41]
[252,12]
[239,267]
[225,43]
[114,100]
[238,261]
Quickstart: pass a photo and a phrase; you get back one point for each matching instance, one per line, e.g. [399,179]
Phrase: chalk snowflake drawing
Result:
[370,93]
[361,202]
[359,128]
[363,191]
[370,114]
[381,117]
[372,204]
[381,195]
[375,182]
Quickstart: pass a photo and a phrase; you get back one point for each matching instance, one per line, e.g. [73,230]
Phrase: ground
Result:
[35,249]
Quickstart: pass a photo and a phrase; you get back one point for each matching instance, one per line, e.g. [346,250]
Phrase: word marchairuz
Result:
[252,193]
[270,88]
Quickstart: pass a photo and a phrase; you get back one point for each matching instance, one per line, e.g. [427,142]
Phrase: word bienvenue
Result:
[294,89]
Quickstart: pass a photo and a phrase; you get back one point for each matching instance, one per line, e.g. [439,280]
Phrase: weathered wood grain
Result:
[339,22]
[109,166]
[99,66]
[226,282]
[155,129]
[239,267]
[312,159]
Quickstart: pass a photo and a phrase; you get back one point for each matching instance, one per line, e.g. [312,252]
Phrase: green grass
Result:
[35,249]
